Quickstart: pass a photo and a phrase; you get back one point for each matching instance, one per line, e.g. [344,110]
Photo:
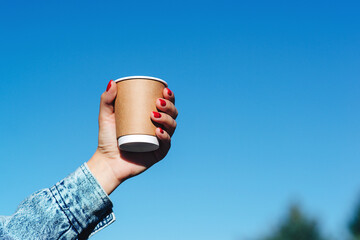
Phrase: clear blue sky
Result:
[268,95]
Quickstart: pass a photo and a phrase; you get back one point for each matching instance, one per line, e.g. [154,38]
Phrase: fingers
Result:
[169,95]
[168,112]
[166,117]
[164,141]
[167,107]
[165,120]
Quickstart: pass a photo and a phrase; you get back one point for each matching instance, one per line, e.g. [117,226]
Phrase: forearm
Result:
[38,216]
[70,209]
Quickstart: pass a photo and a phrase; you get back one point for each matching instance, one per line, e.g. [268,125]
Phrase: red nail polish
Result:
[161,131]
[157,114]
[109,85]
[162,102]
[169,92]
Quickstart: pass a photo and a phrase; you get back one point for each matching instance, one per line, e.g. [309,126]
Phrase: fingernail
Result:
[162,102]
[109,85]
[161,131]
[169,92]
[157,114]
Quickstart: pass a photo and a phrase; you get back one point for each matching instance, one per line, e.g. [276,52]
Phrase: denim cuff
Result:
[84,202]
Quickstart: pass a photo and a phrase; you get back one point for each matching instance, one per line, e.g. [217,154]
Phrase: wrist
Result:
[100,167]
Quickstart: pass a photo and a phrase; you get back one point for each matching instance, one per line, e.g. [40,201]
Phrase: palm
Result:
[123,163]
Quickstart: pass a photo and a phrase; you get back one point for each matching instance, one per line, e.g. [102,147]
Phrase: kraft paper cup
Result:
[135,100]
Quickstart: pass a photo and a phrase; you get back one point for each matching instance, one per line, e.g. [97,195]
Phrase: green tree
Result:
[354,225]
[296,226]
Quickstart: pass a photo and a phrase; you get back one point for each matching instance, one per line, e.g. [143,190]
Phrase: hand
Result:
[110,165]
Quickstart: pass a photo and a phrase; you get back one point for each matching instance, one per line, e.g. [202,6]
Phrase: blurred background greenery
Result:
[297,225]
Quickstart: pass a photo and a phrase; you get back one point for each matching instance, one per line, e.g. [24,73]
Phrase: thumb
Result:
[107,126]
[107,101]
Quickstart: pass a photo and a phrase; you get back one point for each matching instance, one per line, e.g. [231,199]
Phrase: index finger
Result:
[169,95]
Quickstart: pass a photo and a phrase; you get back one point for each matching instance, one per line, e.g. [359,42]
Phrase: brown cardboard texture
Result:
[135,100]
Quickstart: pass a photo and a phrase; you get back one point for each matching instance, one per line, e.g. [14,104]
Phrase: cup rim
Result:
[141,77]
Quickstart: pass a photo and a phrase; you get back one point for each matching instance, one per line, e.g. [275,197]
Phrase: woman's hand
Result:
[110,165]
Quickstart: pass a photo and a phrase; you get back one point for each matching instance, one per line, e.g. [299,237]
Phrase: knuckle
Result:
[168,119]
[172,110]
[176,113]
[168,103]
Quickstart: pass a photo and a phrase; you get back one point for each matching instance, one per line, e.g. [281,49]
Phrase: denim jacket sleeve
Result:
[74,208]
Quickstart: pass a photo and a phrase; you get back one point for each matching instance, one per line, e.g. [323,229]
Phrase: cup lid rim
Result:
[141,77]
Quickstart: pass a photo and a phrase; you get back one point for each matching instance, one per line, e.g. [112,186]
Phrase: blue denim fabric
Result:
[74,208]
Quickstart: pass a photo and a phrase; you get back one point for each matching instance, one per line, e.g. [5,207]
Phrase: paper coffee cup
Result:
[135,100]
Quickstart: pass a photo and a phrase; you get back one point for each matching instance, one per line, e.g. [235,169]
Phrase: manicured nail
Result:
[157,114]
[162,102]
[161,131]
[169,92]
[109,85]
